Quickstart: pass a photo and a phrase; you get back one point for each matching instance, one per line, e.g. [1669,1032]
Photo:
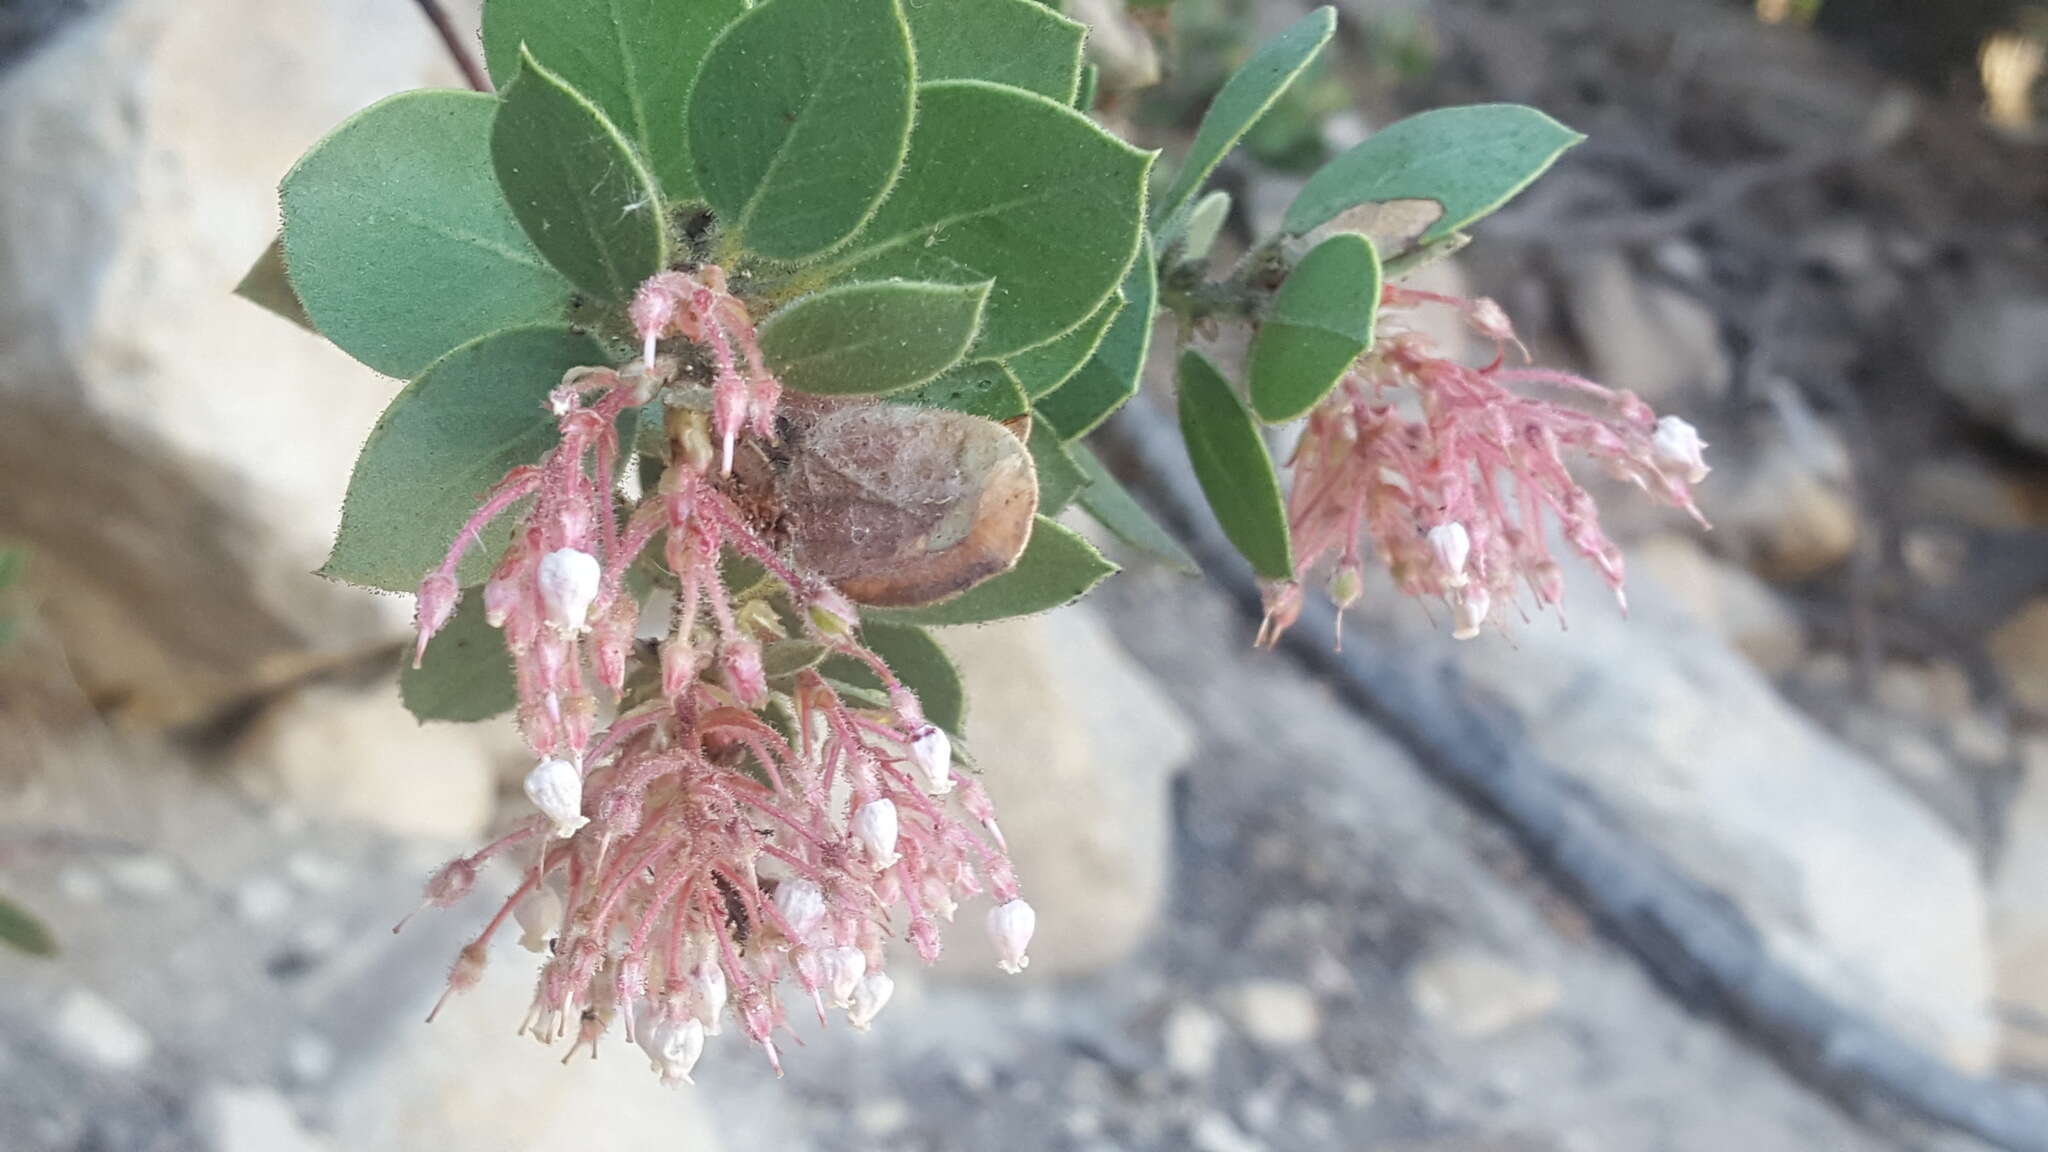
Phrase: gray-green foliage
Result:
[907,199]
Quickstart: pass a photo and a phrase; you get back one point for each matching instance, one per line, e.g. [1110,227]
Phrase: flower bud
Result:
[802,906]
[673,1047]
[843,966]
[1010,926]
[451,883]
[568,579]
[438,594]
[932,755]
[875,826]
[870,996]
[1347,584]
[1492,321]
[556,788]
[614,636]
[1676,448]
[1452,546]
[501,596]
[678,667]
[740,664]
[708,980]
[1468,612]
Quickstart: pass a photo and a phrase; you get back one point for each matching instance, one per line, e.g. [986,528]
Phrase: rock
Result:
[1657,341]
[1938,690]
[1992,357]
[1214,1132]
[1833,862]
[1785,510]
[1970,490]
[2019,919]
[1191,1037]
[142,164]
[1077,746]
[1276,1013]
[355,754]
[1474,994]
[467,1081]
[2019,650]
[255,1119]
[1726,599]
[94,1030]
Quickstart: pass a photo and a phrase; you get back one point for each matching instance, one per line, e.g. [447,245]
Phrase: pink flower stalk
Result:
[699,309]
[717,842]
[1452,472]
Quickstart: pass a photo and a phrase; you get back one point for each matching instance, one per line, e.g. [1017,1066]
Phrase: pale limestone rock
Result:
[1191,1037]
[175,455]
[2019,919]
[1474,994]
[1076,746]
[2019,649]
[1276,1013]
[1784,508]
[1657,341]
[1728,600]
[251,1118]
[356,754]
[1848,878]
[92,1029]
[466,1081]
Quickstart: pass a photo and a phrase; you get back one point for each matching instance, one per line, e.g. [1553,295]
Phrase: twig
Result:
[1688,937]
[458,49]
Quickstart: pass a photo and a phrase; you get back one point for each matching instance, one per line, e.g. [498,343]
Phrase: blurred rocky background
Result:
[1817,227]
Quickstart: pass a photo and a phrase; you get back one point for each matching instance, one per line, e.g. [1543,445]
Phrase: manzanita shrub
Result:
[747,341]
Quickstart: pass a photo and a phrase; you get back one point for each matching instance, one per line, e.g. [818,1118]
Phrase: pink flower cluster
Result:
[701,840]
[1453,472]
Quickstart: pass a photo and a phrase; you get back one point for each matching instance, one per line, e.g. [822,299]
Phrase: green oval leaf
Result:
[1471,160]
[582,195]
[1020,43]
[23,932]
[1116,509]
[983,388]
[1009,186]
[635,59]
[1111,376]
[864,339]
[448,437]
[400,243]
[1234,468]
[1321,319]
[919,662]
[467,674]
[1043,369]
[799,122]
[1245,97]
[1060,479]
[785,658]
[1057,567]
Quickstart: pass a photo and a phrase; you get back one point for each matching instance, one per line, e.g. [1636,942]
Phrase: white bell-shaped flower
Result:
[932,754]
[1010,925]
[869,998]
[842,967]
[568,580]
[556,788]
[875,826]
